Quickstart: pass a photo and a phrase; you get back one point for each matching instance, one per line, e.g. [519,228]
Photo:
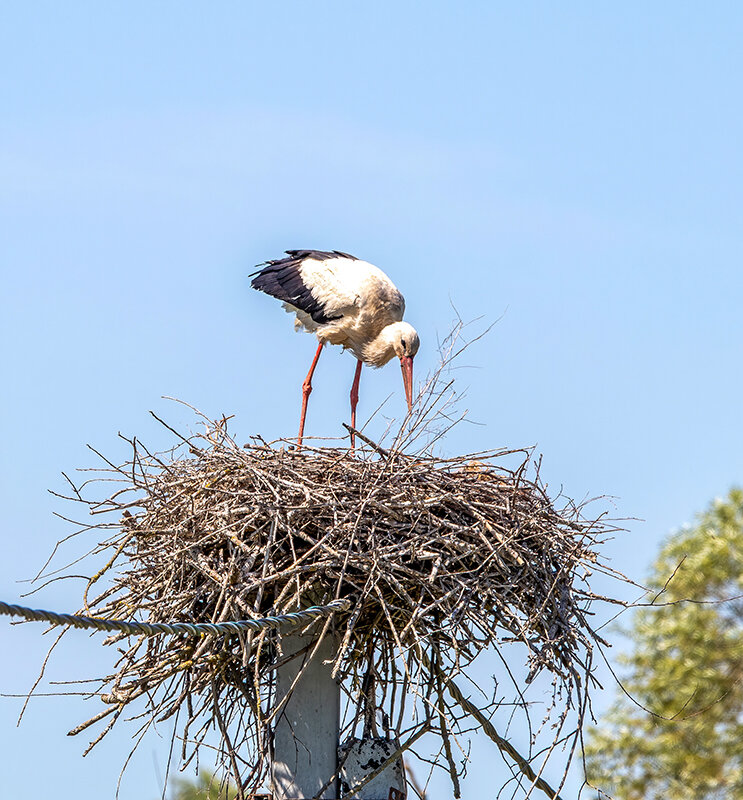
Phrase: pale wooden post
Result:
[306,732]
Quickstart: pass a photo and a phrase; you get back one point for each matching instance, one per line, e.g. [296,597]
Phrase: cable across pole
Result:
[279,622]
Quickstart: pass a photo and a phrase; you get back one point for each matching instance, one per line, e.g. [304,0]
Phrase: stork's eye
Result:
[402,342]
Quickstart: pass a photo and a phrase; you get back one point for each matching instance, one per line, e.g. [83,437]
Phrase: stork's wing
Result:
[283,279]
[327,286]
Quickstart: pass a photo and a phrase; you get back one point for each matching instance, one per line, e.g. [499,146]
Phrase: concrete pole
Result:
[306,732]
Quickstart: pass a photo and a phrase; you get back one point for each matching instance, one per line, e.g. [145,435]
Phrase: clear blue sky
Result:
[574,168]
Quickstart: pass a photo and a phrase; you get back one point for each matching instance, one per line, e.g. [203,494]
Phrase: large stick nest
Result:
[439,558]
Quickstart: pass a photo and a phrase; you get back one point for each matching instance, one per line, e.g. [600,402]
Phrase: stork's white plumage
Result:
[344,301]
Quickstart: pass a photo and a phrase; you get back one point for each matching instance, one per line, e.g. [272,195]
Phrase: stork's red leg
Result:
[355,400]
[306,391]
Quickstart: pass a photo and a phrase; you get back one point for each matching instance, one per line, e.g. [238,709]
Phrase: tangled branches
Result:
[440,559]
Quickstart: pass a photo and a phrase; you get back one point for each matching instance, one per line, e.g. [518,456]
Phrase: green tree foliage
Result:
[206,787]
[686,668]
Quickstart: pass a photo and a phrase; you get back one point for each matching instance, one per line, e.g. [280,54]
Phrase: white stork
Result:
[344,301]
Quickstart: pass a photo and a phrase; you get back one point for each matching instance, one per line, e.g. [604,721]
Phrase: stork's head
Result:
[405,343]
[397,339]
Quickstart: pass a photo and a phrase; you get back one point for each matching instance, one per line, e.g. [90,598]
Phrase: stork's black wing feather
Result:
[282,279]
[318,255]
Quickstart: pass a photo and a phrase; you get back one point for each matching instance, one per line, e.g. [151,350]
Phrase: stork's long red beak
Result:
[406,362]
